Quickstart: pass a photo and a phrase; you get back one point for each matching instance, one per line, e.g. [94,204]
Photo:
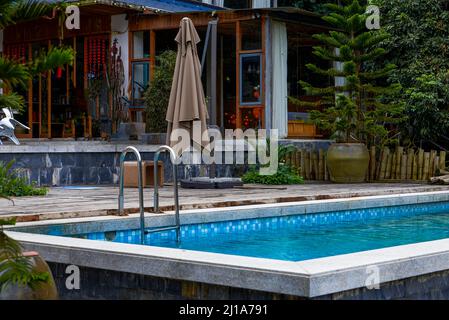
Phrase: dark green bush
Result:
[158,93]
[13,186]
[284,175]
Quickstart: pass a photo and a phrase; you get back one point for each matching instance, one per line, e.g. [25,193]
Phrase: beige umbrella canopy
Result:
[187,101]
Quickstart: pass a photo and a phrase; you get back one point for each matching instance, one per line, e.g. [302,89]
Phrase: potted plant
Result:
[157,97]
[23,275]
[358,108]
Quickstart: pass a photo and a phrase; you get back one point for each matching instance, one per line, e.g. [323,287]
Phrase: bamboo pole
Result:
[383,163]
[372,166]
[404,160]
[425,175]
[436,164]
[315,165]
[303,163]
[389,166]
[410,157]
[399,153]
[442,162]
[321,165]
[433,155]
[415,167]
[393,166]
[307,165]
[420,164]
[298,160]
[326,172]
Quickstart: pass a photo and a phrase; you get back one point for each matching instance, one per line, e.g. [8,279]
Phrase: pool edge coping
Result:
[310,278]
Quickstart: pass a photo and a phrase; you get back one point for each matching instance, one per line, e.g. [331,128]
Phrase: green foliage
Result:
[158,94]
[13,186]
[285,175]
[17,73]
[15,269]
[419,42]
[363,106]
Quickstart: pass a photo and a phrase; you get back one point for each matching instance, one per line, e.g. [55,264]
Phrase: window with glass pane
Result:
[250,78]
[140,81]
[251,35]
[141,45]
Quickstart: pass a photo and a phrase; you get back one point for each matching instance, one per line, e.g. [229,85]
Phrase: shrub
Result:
[13,186]
[158,93]
[284,175]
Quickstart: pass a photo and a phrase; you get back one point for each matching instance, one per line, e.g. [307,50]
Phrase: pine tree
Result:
[360,109]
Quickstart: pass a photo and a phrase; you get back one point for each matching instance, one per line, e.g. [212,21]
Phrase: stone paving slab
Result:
[63,203]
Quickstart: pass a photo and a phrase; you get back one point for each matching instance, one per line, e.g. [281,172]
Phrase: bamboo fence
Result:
[394,165]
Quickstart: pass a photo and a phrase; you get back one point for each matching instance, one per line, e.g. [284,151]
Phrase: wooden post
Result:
[303,163]
[72,123]
[420,164]
[383,163]
[415,167]
[315,164]
[298,160]
[307,164]
[442,162]
[393,166]
[372,165]
[404,161]
[326,172]
[400,152]
[432,168]
[410,157]
[321,165]
[425,175]
[389,165]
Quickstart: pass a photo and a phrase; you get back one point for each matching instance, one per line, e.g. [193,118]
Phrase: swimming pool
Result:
[303,237]
[304,249]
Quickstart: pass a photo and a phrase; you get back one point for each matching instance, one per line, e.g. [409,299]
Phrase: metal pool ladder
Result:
[173,157]
[121,198]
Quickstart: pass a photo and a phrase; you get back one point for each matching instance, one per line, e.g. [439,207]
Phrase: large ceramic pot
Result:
[44,291]
[348,162]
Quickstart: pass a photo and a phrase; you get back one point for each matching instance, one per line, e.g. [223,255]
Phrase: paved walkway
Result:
[70,203]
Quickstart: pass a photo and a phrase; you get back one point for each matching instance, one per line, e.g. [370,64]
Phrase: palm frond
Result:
[56,57]
[12,72]
[13,101]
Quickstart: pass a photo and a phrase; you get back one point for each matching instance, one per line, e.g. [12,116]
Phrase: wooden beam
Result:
[49,98]
[152,52]
[238,37]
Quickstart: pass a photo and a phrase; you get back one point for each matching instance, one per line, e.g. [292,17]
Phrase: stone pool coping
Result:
[311,278]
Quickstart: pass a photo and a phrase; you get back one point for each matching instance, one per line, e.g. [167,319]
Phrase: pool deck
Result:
[62,203]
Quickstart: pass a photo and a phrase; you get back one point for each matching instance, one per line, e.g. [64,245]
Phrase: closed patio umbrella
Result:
[187,101]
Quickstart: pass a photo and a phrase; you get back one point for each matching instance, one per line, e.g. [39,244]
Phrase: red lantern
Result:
[59,73]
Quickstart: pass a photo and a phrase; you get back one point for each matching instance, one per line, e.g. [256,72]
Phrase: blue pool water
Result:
[303,237]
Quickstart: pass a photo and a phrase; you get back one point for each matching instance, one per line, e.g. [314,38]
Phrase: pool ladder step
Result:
[121,199]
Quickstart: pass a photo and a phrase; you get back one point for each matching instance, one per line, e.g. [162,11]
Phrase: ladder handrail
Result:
[175,182]
[121,199]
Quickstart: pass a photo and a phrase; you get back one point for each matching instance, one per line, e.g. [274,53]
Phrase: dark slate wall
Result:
[62,169]
[96,284]
[106,284]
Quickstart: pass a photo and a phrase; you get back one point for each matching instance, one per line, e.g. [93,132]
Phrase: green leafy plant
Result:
[13,186]
[285,174]
[16,269]
[158,94]
[16,73]
[419,42]
[361,108]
